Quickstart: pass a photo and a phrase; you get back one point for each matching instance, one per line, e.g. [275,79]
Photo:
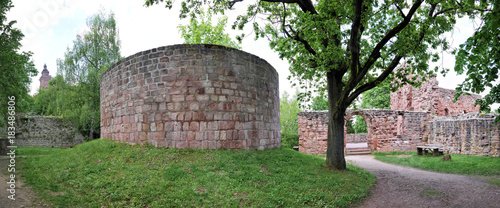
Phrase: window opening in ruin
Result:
[446,111]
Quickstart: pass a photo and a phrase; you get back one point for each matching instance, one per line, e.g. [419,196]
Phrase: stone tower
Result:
[45,78]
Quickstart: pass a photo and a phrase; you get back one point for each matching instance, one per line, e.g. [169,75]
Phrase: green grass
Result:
[431,193]
[104,173]
[459,164]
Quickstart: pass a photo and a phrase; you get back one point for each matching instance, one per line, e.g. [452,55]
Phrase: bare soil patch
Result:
[399,186]
[24,196]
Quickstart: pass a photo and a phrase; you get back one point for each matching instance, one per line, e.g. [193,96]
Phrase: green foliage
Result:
[200,30]
[16,67]
[479,58]
[377,98]
[360,126]
[349,127]
[459,164]
[347,47]
[75,92]
[289,109]
[320,103]
[104,173]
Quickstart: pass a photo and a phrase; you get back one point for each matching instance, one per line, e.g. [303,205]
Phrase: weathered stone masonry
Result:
[45,131]
[419,115]
[469,134]
[355,138]
[433,99]
[384,128]
[192,96]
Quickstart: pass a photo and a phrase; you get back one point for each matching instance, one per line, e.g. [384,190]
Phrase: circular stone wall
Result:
[192,96]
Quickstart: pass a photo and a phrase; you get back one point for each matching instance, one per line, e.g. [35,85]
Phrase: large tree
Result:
[92,53]
[479,58]
[347,47]
[16,67]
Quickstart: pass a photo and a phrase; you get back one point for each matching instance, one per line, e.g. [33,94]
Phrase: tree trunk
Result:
[336,110]
[91,136]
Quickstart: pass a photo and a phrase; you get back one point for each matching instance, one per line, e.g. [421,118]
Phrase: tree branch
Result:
[298,38]
[354,44]
[232,3]
[305,5]
[374,83]
[376,51]
[400,11]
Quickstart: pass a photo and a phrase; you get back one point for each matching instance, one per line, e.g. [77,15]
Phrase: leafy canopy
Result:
[289,109]
[479,59]
[76,89]
[378,97]
[200,30]
[347,47]
[320,103]
[16,67]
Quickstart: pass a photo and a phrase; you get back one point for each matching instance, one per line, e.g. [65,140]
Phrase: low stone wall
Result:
[313,132]
[385,127]
[467,134]
[45,131]
[355,138]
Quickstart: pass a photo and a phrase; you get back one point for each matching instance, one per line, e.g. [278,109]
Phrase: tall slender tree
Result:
[92,53]
[347,47]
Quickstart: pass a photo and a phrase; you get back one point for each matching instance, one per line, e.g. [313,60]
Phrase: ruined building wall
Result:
[45,131]
[192,96]
[355,138]
[468,134]
[384,127]
[430,98]
[313,132]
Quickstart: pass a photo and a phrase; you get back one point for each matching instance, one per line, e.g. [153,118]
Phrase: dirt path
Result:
[24,196]
[399,186]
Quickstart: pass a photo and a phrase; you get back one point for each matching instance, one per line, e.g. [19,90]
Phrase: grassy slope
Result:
[111,174]
[459,164]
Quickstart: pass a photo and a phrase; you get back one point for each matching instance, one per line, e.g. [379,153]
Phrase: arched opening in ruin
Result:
[446,111]
[357,132]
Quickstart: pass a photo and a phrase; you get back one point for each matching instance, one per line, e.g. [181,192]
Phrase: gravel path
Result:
[24,196]
[399,186]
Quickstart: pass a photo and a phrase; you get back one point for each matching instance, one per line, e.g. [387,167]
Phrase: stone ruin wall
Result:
[467,134]
[430,98]
[192,96]
[44,131]
[419,116]
[313,132]
[382,131]
[355,138]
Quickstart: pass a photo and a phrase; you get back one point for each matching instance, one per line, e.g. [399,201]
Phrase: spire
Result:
[45,69]
[45,78]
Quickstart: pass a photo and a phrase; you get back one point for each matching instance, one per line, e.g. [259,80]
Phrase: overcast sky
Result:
[50,26]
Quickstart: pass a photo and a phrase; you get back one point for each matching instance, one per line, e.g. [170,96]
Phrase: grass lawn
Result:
[104,173]
[459,164]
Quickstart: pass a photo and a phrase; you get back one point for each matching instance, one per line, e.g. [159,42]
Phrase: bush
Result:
[289,140]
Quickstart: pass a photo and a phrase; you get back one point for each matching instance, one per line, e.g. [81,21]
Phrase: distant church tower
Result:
[45,78]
